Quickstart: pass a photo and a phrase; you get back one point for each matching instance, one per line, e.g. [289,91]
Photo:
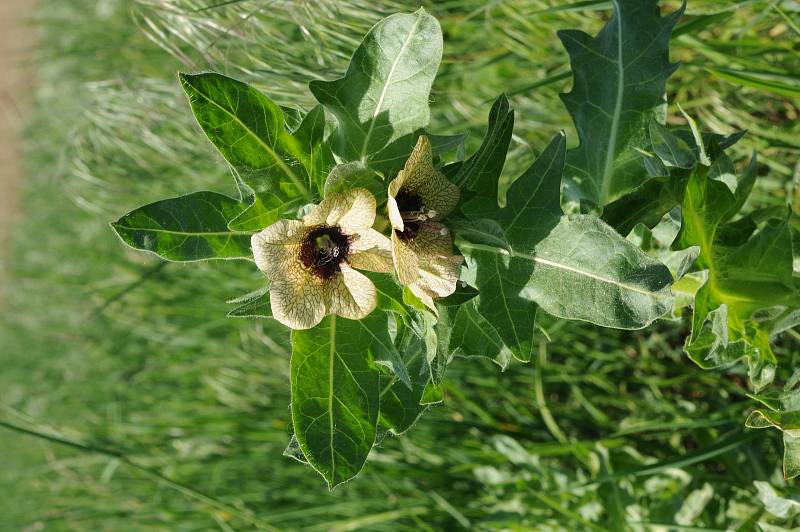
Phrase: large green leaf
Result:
[619,84]
[187,228]
[250,132]
[575,267]
[335,396]
[381,103]
[751,293]
[531,211]
[586,271]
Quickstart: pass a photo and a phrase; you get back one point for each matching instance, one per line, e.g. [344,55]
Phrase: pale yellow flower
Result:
[422,248]
[311,264]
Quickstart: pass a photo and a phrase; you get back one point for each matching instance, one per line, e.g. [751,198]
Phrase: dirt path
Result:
[16,45]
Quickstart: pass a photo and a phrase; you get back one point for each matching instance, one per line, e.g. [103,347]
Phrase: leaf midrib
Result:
[612,142]
[275,156]
[331,358]
[368,136]
[561,266]
[183,233]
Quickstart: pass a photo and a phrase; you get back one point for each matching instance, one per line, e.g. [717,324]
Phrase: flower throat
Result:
[410,206]
[324,249]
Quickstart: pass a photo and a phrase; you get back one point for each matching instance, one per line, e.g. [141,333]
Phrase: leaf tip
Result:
[678,13]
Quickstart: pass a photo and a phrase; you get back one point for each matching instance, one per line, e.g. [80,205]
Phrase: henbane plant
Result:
[388,252]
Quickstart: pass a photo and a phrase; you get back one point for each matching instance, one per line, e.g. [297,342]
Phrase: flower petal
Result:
[350,294]
[424,296]
[427,264]
[371,251]
[420,177]
[440,275]
[406,264]
[297,299]
[277,246]
[352,210]
[395,217]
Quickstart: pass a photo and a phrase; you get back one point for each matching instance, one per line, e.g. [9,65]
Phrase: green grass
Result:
[182,414]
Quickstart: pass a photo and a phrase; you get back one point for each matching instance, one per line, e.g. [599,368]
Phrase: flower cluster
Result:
[312,263]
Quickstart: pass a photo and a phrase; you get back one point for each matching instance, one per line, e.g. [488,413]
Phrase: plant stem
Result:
[538,388]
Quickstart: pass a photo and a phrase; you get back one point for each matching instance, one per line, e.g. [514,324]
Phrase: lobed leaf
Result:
[619,84]
[248,129]
[381,103]
[575,267]
[751,293]
[500,275]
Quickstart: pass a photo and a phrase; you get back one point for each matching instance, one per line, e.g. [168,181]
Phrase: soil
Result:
[16,51]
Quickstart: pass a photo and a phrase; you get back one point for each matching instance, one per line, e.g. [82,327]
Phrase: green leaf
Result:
[782,413]
[474,336]
[713,196]
[253,305]
[311,136]
[586,271]
[186,228]
[381,103]
[751,293]
[532,210]
[481,231]
[434,332]
[791,457]
[480,173]
[672,149]
[249,131]
[462,331]
[441,144]
[501,278]
[665,189]
[355,174]
[335,396]
[648,203]
[619,84]
[574,267]
[384,351]
[401,403]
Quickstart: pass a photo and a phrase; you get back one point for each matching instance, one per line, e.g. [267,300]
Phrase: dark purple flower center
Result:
[408,201]
[323,250]
[410,206]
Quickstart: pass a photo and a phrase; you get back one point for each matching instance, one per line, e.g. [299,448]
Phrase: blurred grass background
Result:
[608,430]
